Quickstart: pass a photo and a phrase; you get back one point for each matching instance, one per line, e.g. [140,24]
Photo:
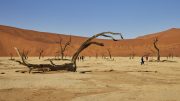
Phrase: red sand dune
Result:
[169,42]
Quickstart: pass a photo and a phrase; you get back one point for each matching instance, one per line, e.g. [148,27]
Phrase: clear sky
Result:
[86,17]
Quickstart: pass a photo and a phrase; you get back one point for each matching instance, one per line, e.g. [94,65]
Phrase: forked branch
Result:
[63,48]
[88,43]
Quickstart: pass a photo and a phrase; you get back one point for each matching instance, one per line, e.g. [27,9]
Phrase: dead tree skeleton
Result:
[109,52]
[63,48]
[40,53]
[11,56]
[131,54]
[103,56]
[25,53]
[42,67]
[69,66]
[157,49]
[171,53]
[96,55]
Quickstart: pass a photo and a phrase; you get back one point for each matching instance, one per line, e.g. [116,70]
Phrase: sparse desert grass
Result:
[96,79]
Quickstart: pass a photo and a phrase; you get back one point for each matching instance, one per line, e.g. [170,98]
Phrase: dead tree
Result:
[63,48]
[96,55]
[41,67]
[88,42]
[109,52]
[11,56]
[157,49]
[132,55]
[25,53]
[40,53]
[69,66]
[103,56]
[172,53]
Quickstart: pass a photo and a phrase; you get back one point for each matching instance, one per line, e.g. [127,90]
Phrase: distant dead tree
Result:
[172,52]
[109,52]
[69,66]
[25,54]
[103,56]
[11,56]
[157,49]
[96,55]
[41,53]
[171,55]
[63,47]
[132,54]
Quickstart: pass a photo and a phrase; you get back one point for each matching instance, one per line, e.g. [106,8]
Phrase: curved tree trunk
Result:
[109,52]
[157,49]
[88,43]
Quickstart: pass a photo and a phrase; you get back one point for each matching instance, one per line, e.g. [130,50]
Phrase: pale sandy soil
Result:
[129,81]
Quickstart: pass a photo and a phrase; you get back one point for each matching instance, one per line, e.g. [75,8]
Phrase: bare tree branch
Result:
[85,44]
[63,48]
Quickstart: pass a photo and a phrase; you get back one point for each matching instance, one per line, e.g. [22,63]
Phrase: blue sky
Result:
[86,17]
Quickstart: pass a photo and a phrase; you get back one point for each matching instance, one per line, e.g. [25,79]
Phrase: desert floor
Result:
[119,80]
